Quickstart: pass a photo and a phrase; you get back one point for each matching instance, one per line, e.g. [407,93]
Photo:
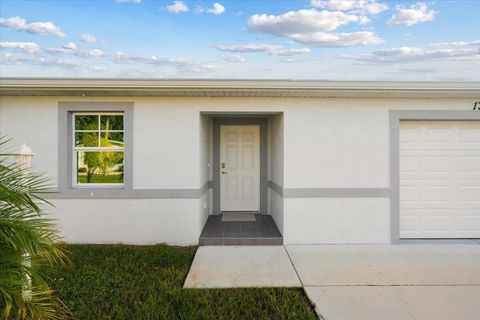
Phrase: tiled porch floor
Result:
[263,231]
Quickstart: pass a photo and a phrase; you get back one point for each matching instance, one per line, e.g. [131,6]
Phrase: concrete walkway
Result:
[354,281]
[391,281]
[240,267]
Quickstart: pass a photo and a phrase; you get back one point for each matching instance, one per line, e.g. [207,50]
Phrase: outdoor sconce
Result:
[23,156]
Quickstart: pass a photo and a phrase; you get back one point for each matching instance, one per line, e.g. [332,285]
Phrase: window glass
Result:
[99,148]
[99,167]
[111,139]
[86,122]
[111,122]
[86,139]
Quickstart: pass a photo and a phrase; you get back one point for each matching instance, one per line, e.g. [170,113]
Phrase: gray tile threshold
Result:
[241,242]
[261,232]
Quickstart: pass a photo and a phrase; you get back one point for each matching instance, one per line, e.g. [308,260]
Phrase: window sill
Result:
[99,186]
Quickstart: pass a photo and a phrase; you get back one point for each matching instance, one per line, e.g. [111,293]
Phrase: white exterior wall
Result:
[167,136]
[327,143]
[276,168]
[129,221]
[333,220]
[343,143]
[35,121]
[204,167]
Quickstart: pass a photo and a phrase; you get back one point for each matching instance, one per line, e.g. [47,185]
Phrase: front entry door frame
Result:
[216,123]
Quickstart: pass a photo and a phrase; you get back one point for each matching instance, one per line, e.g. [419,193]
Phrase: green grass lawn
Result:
[98,178]
[145,282]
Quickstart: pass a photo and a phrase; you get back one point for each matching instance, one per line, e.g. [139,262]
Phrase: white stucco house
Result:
[148,161]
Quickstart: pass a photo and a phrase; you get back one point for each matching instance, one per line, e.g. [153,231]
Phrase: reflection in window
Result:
[99,148]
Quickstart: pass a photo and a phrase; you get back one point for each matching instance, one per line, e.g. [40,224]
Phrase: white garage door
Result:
[440,179]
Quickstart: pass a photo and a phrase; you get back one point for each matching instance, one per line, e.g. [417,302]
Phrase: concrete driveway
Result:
[390,281]
[354,281]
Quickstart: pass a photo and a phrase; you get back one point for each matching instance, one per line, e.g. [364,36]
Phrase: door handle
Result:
[224,172]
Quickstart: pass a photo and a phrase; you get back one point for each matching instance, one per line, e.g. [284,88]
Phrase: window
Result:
[98,149]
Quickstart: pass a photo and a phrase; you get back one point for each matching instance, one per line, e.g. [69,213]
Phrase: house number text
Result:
[476,106]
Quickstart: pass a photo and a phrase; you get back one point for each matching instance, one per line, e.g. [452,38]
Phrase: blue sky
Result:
[308,39]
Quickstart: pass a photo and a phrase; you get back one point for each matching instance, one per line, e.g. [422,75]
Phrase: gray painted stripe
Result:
[329,192]
[336,193]
[278,189]
[109,193]
[206,186]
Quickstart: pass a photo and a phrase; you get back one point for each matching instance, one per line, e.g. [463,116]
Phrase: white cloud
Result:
[236,58]
[314,27]
[94,53]
[271,49]
[251,47]
[435,51]
[416,13]
[291,52]
[302,21]
[29,47]
[217,9]
[177,7]
[87,37]
[39,28]
[186,66]
[33,55]
[70,46]
[128,1]
[40,60]
[454,44]
[181,65]
[366,7]
[72,49]
[292,60]
[336,40]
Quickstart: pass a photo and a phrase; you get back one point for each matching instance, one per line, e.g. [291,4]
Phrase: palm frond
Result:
[25,232]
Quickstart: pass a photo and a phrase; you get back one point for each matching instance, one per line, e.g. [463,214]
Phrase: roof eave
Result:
[233,87]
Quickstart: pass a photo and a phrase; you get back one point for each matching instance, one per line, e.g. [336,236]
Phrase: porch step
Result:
[241,241]
[261,232]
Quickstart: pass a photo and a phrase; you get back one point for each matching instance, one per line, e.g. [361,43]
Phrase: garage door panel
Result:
[440,179]
[439,224]
[438,164]
[469,164]
[468,223]
[469,133]
[438,194]
[438,134]
[410,133]
[469,194]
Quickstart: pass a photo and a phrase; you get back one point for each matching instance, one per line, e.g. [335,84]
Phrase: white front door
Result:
[239,168]
[440,179]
